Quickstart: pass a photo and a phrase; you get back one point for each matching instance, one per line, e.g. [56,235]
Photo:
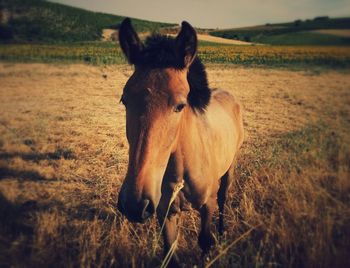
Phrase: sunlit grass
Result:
[63,157]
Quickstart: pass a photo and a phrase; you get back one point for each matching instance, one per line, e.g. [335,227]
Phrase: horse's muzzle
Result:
[135,211]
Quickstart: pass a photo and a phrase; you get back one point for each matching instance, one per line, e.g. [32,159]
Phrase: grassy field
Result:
[299,32]
[308,38]
[63,156]
[109,53]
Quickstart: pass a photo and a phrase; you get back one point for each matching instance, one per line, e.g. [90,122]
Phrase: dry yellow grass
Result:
[336,32]
[107,34]
[63,155]
[219,40]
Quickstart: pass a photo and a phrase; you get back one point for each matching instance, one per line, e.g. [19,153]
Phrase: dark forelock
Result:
[160,52]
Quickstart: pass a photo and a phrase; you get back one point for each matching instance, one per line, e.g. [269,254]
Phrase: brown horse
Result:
[179,130]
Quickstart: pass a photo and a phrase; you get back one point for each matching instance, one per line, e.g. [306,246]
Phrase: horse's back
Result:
[225,119]
[226,100]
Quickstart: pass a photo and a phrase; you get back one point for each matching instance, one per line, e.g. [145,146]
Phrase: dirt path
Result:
[336,32]
[220,40]
[107,33]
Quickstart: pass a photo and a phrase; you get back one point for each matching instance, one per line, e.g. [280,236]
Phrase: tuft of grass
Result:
[297,189]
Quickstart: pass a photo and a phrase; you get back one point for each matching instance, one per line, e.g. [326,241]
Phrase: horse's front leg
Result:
[169,222]
[206,239]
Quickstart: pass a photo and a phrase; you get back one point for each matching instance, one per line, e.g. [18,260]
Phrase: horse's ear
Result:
[186,44]
[129,41]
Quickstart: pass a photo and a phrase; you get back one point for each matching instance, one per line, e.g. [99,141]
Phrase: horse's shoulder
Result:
[222,94]
[226,99]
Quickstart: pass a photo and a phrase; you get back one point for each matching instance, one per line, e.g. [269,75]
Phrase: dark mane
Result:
[160,52]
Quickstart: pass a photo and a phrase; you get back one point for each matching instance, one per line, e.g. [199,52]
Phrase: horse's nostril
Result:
[148,209]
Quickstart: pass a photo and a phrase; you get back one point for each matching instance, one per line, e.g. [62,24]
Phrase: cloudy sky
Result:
[218,13]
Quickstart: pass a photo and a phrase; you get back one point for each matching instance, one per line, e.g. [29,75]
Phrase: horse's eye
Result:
[178,108]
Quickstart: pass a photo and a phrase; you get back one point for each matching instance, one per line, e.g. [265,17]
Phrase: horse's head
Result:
[156,98]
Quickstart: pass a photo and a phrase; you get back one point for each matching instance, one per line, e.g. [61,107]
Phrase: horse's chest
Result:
[198,187]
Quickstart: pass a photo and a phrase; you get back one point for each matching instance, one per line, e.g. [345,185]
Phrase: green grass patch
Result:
[296,189]
[313,145]
[303,38]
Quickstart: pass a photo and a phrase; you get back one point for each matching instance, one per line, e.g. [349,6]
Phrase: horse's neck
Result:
[193,131]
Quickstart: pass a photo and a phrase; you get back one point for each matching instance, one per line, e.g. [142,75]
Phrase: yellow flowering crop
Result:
[257,55]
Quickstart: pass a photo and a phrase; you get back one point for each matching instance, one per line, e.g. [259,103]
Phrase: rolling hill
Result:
[40,21]
[43,21]
[292,33]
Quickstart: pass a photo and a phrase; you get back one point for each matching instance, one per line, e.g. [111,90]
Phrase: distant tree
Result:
[114,26]
[5,32]
[321,18]
[297,23]
[247,38]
